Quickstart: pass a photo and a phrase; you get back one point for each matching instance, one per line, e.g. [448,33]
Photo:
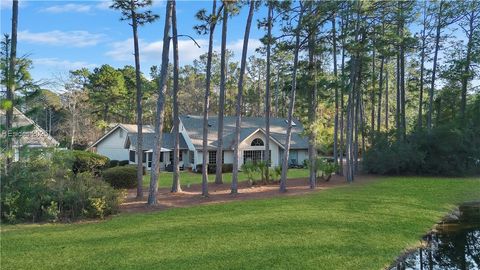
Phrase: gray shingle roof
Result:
[36,137]
[149,139]
[278,130]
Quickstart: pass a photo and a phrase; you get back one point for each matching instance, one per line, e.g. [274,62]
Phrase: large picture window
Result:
[252,156]
[255,156]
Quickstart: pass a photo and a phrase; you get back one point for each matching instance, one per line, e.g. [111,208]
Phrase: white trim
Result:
[108,134]
[260,129]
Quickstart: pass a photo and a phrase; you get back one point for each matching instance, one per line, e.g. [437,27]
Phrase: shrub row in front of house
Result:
[212,168]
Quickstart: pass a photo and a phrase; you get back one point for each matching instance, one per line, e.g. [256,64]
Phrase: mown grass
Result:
[352,227]
[188,178]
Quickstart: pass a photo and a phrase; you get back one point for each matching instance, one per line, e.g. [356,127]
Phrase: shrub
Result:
[211,168]
[227,168]
[112,163]
[121,177]
[250,168]
[44,187]
[275,173]
[144,170]
[88,162]
[325,168]
[123,162]
[444,150]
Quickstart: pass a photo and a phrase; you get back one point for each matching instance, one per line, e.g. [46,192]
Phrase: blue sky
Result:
[63,35]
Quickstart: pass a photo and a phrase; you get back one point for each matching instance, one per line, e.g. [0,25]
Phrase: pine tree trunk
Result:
[138,100]
[267,91]
[380,93]
[335,74]
[402,75]
[422,67]
[466,73]
[176,187]
[372,94]
[277,93]
[206,104]
[342,147]
[313,105]
[221,106]
[386,97]
[434,68]
[243,63]
[159,116]
[11,86]
[283,179]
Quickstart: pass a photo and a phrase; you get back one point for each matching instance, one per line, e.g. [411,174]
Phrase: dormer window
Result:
[257,142]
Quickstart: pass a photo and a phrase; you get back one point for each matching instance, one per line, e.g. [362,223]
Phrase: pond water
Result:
[454,245]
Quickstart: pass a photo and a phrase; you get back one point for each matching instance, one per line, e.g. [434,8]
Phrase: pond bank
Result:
[453,244]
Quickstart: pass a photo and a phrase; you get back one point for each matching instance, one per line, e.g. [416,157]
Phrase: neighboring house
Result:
[120,142]
[26,133]
[112,143]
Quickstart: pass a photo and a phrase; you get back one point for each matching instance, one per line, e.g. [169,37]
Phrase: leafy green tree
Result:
[106,89]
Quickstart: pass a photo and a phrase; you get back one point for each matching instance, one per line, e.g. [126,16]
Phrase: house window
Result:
[192,157]
[180,156]
[132,156]
[149,160]
[257,142]
[144,158]
[212,157]
[161,156]
[252,156]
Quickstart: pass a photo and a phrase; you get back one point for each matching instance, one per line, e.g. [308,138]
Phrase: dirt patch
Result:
[191,196]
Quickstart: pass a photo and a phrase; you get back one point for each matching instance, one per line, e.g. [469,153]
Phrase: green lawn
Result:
[350,227]
[188,178]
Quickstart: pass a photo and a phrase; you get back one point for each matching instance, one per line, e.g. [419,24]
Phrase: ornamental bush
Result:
[123,162]
[43,187]
[89,162]
[113,163]
[123,177]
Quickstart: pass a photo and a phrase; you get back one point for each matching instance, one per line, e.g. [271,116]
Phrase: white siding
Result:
[246,145]
[113,146]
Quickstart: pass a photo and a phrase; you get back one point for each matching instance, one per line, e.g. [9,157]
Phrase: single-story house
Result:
[120,142]
[26,133]
[252,139]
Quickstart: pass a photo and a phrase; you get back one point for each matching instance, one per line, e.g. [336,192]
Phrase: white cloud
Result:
[7,4]
[105,4]
[152,51]
[237,47]
[187,50]
[67,8]
[62,64]
[58,38]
